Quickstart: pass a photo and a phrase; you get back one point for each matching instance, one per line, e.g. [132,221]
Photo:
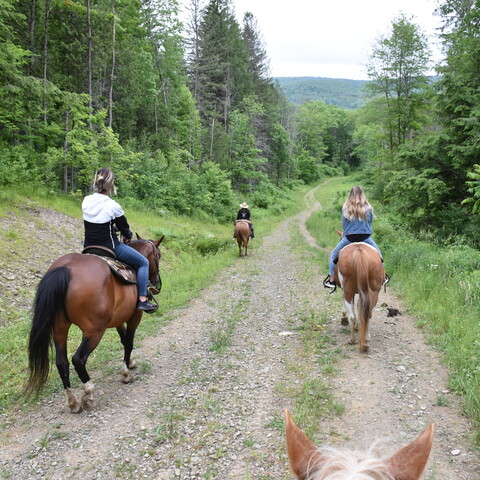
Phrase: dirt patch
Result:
[207,405]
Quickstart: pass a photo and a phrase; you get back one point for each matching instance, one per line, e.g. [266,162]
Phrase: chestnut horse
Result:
[359,270]
[81,290]
[311,463]
[242,234]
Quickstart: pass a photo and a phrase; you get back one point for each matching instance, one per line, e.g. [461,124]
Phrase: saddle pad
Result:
[119,269]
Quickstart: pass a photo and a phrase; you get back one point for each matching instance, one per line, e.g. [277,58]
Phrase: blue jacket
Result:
[353,227]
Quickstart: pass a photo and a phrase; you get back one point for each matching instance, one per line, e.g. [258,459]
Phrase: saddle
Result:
[124,272]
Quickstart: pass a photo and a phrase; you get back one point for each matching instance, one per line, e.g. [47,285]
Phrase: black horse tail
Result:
[49,301]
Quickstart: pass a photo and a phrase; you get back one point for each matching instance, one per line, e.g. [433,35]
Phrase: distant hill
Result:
[332,91]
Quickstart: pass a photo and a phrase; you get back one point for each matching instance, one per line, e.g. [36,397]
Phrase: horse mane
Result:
[138,241]
[334,464]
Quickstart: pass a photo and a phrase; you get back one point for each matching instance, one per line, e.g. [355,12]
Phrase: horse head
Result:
[311,463]
[150,249]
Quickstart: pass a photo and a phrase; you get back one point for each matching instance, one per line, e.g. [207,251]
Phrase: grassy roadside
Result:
[439,285]
[193,253]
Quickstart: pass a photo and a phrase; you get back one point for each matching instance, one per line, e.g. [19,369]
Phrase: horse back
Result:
[360,263]
[95,295]
[242,231]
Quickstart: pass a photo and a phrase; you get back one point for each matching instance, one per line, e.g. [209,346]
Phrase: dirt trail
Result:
[199,413]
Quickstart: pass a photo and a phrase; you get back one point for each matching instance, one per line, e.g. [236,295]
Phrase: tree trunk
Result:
[45,57]
[65,151]
[31,29]
[90,48]
[112,75]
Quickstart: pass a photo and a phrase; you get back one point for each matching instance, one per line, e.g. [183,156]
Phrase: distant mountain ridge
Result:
[342,92]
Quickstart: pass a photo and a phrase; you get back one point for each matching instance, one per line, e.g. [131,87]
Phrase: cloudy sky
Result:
[329,38]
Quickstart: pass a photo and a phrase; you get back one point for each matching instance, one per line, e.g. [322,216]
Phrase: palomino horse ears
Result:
[409,462]
[301,450]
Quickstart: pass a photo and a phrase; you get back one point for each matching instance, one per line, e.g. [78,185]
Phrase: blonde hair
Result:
[356,206]
[104,181]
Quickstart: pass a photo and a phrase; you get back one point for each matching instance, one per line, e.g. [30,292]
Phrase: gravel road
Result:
[201,412]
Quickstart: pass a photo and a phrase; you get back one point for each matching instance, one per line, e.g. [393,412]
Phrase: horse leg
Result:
[364,324]
[132,325]
[122,333]
[61,359]
[349,313]
[79,360]
[63,368]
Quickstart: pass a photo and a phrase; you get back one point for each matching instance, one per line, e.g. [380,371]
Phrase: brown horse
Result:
[359,270]
[311,463]
[81,290]
[242,234]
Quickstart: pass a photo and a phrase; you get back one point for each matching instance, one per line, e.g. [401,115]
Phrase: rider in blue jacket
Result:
[357,217]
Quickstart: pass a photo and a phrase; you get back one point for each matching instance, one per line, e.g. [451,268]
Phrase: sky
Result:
[330,38]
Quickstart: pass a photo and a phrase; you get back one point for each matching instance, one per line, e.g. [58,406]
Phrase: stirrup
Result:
[328,284]
[387,279]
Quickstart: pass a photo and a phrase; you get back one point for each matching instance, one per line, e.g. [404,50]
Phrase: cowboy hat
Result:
[244,205]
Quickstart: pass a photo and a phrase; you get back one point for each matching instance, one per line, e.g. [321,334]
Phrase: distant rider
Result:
[244,214]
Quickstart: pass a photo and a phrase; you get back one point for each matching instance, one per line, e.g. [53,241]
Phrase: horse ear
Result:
[138,236]
[300,449]
[159,241]
[409,462]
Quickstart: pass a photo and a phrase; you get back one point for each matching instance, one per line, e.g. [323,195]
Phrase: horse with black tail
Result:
[81,290]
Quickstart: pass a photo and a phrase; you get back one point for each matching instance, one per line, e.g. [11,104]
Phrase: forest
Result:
[344,93]
[190,118]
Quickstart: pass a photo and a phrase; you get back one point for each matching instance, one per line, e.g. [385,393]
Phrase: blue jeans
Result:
[343,243]
[131,257]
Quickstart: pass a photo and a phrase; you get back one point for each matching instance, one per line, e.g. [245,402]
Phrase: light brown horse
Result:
[242,234]
[81,290]
[359,270]
[325,463]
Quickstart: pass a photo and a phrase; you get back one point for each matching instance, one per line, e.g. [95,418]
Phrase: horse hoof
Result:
[73,404]
[133,364]
[364,349]
[87,402]
[344,321]
[127,378]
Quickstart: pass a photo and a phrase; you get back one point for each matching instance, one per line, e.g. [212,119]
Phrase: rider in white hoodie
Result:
[101,214]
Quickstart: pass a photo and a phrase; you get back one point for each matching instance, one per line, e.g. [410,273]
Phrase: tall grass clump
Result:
[441,285]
